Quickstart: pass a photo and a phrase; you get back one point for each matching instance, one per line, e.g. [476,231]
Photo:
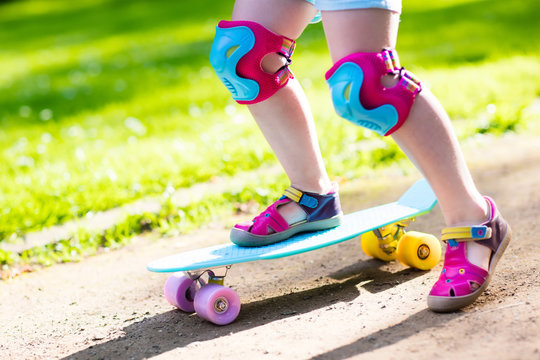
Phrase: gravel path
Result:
[333,303]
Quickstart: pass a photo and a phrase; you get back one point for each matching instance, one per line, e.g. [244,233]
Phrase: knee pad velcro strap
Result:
[237,52]
[359,96]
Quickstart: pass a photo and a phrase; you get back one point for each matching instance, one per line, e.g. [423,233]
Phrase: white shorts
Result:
[329,5]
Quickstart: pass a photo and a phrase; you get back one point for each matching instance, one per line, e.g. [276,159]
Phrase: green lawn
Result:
[103,102]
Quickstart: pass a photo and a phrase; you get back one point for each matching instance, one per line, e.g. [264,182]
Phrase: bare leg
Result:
[285,118]
[427,136]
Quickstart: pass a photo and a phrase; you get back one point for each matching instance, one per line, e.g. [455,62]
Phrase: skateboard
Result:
[196,286]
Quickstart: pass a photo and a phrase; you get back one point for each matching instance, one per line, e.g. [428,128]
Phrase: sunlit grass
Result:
[104,102]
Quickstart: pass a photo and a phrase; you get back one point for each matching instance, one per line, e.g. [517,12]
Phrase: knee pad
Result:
[359,96]
[237,52]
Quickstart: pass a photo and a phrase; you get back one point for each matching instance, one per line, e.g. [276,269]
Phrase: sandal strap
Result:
[466,233]
[300,197]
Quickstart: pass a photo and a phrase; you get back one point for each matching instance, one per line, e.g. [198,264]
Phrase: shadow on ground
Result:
[176,329]
[414,324]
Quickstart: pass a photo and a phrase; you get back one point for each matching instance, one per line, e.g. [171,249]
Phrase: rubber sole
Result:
[244,238]
[445,304]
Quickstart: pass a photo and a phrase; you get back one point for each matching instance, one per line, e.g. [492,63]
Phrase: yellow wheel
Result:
[381,243]
[419,250]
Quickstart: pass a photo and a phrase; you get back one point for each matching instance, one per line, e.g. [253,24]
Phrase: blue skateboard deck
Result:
[417,200]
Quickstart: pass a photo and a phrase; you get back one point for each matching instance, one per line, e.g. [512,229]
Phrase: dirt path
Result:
[334,303]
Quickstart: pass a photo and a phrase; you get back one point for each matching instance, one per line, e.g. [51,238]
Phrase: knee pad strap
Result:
[359,96]
[237,52]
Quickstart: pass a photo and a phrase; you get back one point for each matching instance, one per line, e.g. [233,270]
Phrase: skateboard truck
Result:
[212,277]
[389,235]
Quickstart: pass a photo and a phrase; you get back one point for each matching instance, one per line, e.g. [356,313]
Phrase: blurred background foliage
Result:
[106,101]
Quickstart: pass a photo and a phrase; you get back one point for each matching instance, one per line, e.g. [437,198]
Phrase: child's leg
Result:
[426,136]
[285,118]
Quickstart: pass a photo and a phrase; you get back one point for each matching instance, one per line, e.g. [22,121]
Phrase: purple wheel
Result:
[180,291]
[217,304]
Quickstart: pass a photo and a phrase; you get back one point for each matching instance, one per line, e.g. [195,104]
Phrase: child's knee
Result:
[250,60]
[273,62]
[372,90]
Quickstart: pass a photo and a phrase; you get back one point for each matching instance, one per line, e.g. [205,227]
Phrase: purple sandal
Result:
[461,282]
[323,212]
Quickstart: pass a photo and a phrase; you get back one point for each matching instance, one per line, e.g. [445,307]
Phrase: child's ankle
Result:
[475,214]
[323,187]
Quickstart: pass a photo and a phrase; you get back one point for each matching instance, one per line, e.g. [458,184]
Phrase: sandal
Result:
[322,212]
[461,282]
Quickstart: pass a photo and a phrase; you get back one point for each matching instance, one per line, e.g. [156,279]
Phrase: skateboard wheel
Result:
[217,304]
[180,291]
[383,250]
[419,250]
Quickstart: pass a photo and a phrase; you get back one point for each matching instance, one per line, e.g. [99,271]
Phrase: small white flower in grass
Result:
[136,187]
[46,114]
[46,138]
[75,131]
[80,154]
[194,111]
[111,174]
[135,125]
[262,192]
[20,144]
[169,191]
[41,149]
[25,161]
[25,111]
[230,110]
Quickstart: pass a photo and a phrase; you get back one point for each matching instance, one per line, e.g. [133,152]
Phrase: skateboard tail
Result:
[419,196]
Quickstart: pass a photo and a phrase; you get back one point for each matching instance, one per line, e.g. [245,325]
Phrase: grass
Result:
[103,102]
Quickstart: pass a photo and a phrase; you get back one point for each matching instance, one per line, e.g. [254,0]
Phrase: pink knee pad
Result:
[237,52]
[359,96]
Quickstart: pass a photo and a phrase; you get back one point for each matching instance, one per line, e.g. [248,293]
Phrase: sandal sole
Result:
[246,239]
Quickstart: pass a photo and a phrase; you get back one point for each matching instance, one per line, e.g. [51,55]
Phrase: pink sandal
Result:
[322,211]
[461,282]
